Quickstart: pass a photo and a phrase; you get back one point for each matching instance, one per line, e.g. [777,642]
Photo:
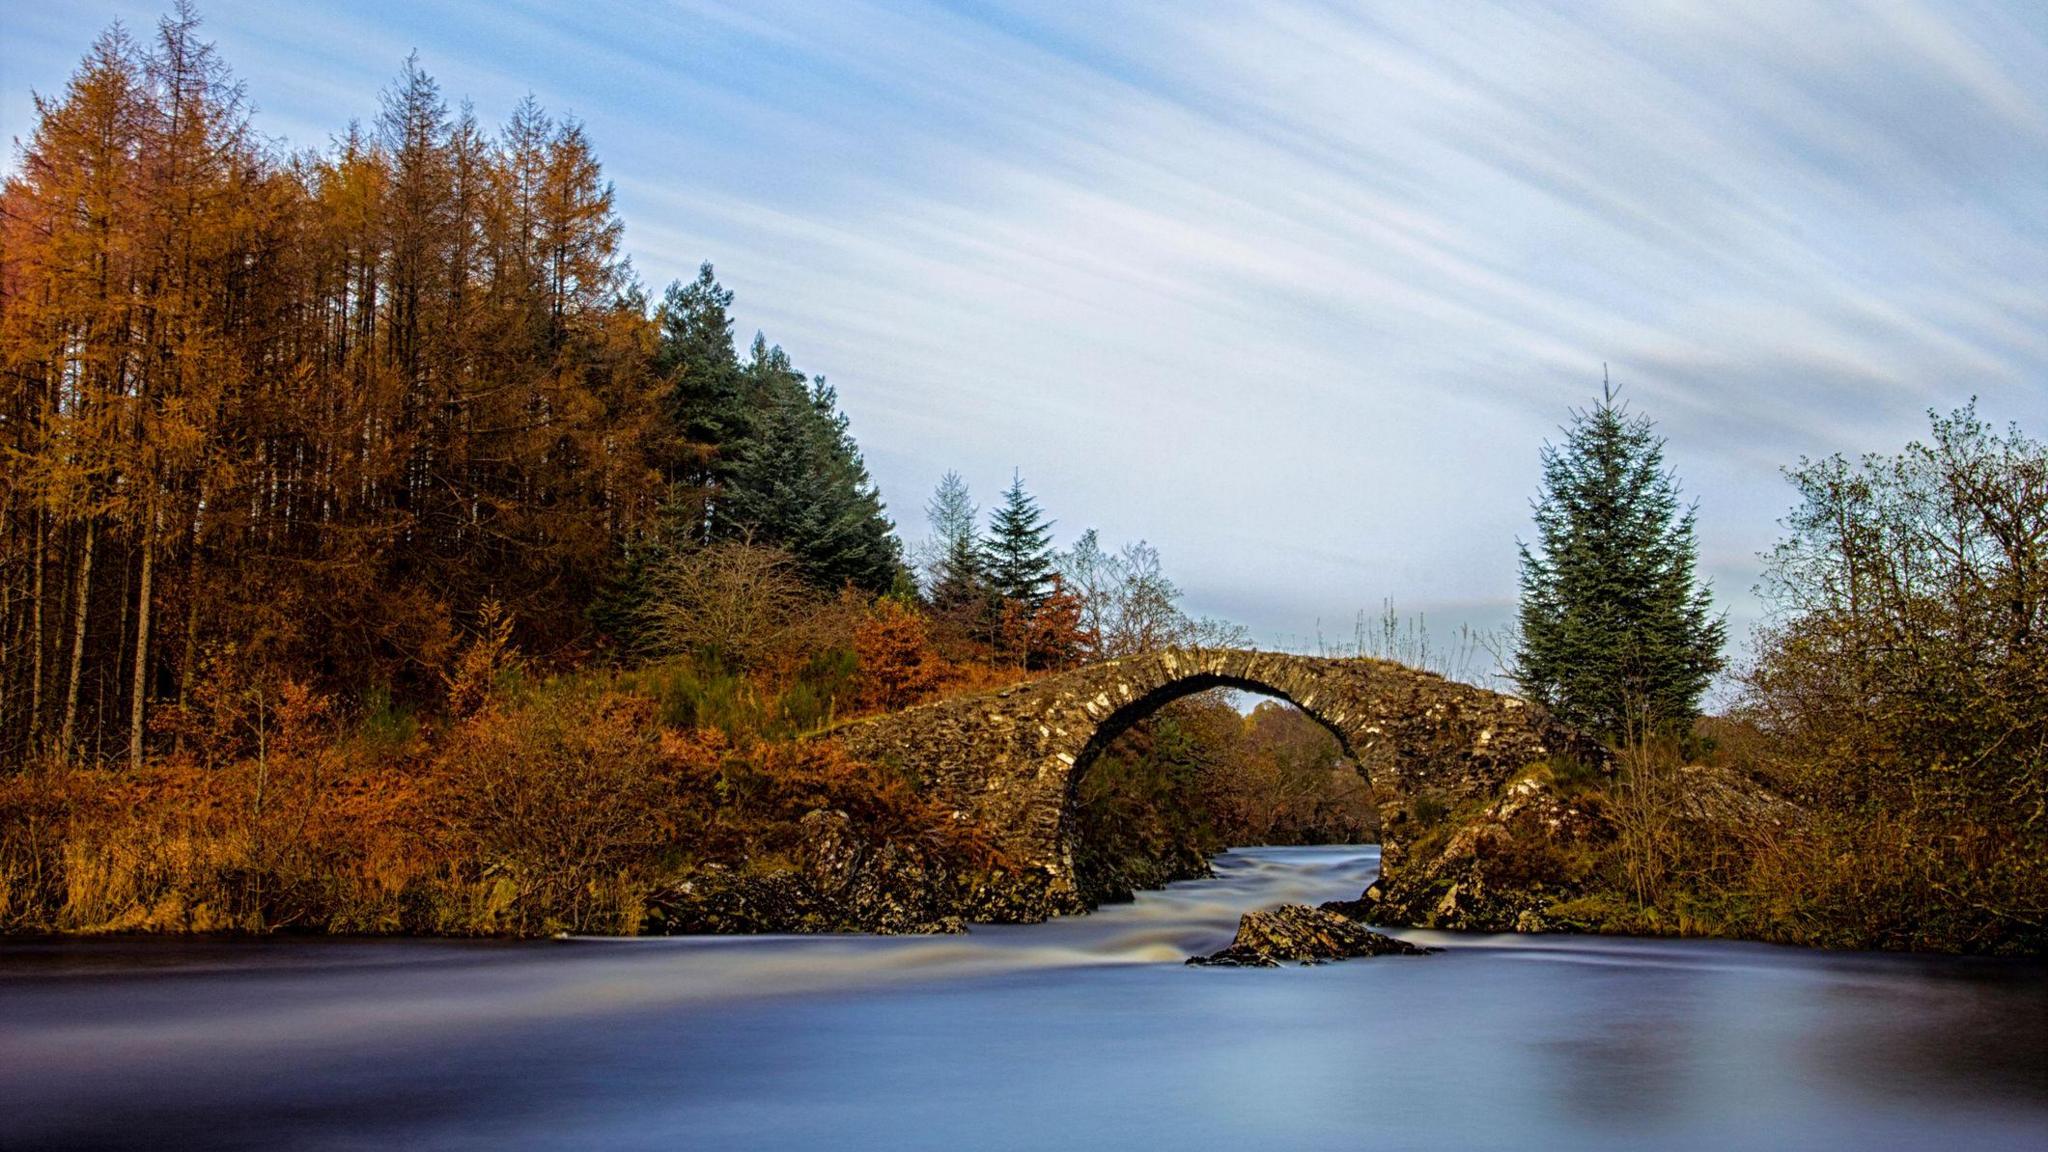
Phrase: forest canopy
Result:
[267,412]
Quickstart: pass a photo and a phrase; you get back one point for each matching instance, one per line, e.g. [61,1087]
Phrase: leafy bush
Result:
[557,805]
[1903,690]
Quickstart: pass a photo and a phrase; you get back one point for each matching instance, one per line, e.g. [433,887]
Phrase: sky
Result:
[1293,291]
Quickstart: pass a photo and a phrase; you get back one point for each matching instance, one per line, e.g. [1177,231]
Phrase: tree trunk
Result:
[141,681]
[190,656]
[101,728]
[10,632]
[81,603]
[35,692]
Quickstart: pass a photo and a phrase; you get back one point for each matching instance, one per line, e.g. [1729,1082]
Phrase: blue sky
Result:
[1292,290]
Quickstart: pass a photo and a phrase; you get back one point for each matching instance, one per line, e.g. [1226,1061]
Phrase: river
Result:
[1083,1033]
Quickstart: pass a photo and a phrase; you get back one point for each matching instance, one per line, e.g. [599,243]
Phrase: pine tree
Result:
[1020,557]
[799,483]
[1618,637]
[706,407]
[955,574]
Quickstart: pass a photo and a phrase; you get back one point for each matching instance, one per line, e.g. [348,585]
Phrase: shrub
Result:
[1903,688]
[738,606]
[897,666]
[554,806]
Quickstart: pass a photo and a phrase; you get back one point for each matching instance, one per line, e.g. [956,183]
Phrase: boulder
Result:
[1359,910]
[829,854]
[1309,935]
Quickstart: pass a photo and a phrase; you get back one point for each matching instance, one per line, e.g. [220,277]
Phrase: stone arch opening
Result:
[1120,721]
[1140,812]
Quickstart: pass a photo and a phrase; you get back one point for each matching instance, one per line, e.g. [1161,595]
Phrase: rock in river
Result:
[1299,932]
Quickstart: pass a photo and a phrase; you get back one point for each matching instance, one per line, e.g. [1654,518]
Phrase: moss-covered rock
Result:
[1496,865]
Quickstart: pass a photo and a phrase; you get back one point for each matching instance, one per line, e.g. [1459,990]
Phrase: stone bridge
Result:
[1009,758]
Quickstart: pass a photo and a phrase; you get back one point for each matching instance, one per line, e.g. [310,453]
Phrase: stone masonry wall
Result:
[1008,758]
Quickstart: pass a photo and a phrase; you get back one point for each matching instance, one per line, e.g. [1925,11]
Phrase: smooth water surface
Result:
[1083,1033]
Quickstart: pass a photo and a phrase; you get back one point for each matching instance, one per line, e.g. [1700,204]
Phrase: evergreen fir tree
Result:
[798,482]
[1618,637]
[956,570]
[701,426]
[696,351]
[706,413]
[1020,556]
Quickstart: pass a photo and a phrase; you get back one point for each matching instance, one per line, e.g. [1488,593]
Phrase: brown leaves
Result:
[484,662]
[898,667]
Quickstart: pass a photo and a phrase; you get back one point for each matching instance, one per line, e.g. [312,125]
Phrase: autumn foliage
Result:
[898,667]
[556,808]
[266,414]
[418,572]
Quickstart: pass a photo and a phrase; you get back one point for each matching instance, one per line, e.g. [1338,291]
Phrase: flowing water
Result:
[1083,1033]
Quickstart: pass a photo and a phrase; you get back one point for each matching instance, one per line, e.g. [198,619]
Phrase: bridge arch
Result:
[1008,758]
[1123,717]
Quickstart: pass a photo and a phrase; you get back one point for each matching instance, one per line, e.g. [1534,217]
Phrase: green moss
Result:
[1573,777]
[1428,810]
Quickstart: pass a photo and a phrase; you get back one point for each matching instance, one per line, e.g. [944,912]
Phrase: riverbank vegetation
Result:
[1881,780]
[1901,692]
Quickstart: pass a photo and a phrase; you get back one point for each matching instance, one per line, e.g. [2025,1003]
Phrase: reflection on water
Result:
[1084,1033]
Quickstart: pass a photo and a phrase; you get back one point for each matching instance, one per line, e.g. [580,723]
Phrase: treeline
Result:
[272,415]
[1004,595]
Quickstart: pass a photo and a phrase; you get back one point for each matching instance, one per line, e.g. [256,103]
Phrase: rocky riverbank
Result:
[839,882]
[1563,847]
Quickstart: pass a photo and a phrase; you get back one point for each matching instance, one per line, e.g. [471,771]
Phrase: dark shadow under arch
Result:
[1122,719]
